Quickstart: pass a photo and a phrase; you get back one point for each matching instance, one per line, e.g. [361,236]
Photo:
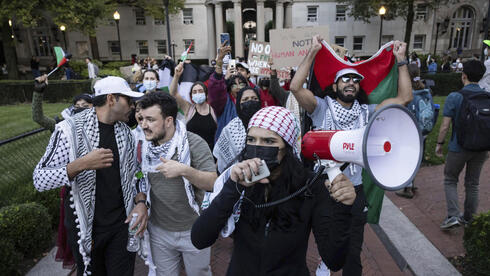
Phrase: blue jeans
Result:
[455,162]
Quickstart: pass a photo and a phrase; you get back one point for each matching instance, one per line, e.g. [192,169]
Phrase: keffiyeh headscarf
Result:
[281,121]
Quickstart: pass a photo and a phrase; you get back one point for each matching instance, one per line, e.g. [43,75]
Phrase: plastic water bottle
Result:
[133,240]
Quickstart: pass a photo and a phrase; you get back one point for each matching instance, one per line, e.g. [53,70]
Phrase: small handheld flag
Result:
[61,58]
[184,55]
[487,42]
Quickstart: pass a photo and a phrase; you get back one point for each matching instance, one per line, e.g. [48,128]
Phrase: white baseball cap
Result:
[347,71]
[242,64]
[114,85]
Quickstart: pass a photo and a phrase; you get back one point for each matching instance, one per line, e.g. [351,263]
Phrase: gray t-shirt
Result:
[319,118]
[170,207]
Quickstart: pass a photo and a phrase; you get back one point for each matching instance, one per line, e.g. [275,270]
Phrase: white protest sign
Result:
[290,46]
[258,60]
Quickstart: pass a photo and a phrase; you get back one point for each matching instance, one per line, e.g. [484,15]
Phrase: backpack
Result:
[473,131]
[422,107]
[96,69]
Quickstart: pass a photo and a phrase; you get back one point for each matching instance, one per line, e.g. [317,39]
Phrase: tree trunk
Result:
[94,46]
[408,26]
[9,51]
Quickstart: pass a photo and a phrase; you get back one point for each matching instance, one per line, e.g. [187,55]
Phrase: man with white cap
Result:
[92,154]
[346,108]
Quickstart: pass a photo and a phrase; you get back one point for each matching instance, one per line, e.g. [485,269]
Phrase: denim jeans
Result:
[455,162]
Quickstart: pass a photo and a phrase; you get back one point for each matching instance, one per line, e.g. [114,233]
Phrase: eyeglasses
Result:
[355,79]
[240,86]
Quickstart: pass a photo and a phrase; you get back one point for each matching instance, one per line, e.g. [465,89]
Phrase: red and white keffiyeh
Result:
[279,120]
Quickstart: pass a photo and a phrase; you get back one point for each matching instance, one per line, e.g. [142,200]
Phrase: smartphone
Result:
[232,64]
[225,37]
[263,173]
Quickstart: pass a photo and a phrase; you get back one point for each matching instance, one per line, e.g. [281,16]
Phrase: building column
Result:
[218,17]
[279,15]
[288,22]
[211,33]
[237,4]
[260,21]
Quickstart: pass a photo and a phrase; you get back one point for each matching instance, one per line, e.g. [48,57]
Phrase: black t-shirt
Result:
[109,203]
[204,126]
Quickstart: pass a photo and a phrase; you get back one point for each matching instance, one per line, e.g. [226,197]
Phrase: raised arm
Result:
[305,97]
[40,85]
[174,85]
[275,89]
[405,94]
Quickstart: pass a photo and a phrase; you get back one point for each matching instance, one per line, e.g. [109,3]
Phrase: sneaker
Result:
[449,222]
[406,192]
[463,221]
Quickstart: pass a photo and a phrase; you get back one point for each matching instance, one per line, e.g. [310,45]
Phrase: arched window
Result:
[461,28]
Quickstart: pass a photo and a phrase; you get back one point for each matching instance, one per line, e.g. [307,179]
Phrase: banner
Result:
[290,46]
[258,61]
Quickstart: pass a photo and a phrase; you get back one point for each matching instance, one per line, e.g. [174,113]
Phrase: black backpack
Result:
[473,123]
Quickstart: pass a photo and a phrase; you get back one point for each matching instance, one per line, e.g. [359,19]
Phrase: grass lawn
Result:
[17,119]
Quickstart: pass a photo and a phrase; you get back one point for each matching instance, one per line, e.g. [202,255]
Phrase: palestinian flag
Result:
[61,57]
[380,82]
[166,74]
[185,54]
[192,73]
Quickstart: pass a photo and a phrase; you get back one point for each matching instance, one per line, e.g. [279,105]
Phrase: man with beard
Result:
[179,167]
[346,108]
[92,155]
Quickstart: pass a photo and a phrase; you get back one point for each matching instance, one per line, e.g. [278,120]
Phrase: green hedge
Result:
[445,83]
[115,64]
[15,91]
[25,231]
[476,241]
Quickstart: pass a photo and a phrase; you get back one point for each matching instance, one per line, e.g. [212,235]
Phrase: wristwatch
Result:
[401,63]
[147,204]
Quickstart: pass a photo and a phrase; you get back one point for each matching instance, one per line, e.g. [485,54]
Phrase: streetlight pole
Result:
[437,36]
[173,50]
[382,12]
[167,22]
[116,18]
[63,29]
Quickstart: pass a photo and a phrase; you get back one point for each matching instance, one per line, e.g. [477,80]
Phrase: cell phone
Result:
[263,173]
[232,64]
[225,37]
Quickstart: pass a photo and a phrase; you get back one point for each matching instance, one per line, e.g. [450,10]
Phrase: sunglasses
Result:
[355,79]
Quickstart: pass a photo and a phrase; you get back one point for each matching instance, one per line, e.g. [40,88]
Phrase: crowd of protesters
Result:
[181,142]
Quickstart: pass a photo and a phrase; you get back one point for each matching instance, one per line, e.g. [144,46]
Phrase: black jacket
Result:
[267,251]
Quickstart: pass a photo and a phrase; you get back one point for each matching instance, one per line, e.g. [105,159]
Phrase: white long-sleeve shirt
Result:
[91,71]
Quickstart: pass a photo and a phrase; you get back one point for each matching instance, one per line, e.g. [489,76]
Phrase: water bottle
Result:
[133,240]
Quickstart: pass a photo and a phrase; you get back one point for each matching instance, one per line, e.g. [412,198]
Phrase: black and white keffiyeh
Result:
[343,118]
[230,143]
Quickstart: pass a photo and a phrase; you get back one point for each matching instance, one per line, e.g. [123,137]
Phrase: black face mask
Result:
[268,154]
[265,83]
[247,110]
[78,110]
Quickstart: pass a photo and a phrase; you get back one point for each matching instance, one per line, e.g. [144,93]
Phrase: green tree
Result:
[365,9]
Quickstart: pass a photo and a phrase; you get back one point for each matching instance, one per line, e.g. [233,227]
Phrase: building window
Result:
[461,28]
[82,48]
[42,44]
[358,43]
[312,15]
[187,16]
[421,11]
[340,40]
[161,46]
[140,16]
[187,43]
[386,38]
[142,46]
[340,15]
[419,41]
[114,48]
[158,21]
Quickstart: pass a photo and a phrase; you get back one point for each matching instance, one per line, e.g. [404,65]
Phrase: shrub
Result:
[9,257]
[15,91]
[115,65]
[445,83]
[110,72]
[476,241]
[27,226]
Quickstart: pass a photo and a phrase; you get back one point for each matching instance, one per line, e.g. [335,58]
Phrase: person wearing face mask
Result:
[199,115]
[485,80]
[270,227]
[149,82]
[346,108]
[231,140]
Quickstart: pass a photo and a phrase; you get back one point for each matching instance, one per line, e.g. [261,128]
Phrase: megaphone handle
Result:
[332,172]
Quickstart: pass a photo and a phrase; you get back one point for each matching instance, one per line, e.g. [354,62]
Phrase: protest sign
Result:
[258,60]
[290,46]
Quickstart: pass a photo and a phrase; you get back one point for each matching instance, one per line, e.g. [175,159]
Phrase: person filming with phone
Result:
[271,210]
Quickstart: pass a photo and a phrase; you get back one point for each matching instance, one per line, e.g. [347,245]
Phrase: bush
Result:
[110,72]
[445,83]
[115,65]
[15,91]
[9,257]
[476,241]
[80,66]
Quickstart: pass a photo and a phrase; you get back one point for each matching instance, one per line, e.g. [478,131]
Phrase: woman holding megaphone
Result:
[272,214]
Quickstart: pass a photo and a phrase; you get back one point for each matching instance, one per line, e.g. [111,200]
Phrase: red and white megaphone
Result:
[389,147]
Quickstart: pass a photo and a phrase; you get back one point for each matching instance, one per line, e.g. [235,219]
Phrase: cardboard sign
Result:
[258,60]
[290,46]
